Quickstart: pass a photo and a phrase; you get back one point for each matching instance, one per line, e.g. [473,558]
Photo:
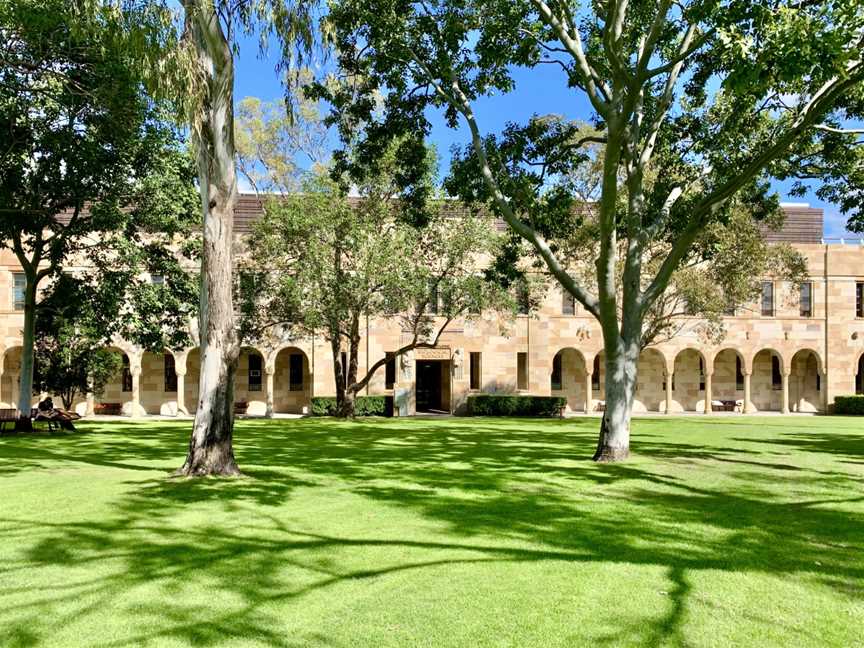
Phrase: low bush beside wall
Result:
[363,406]
[849,405]
[515,405]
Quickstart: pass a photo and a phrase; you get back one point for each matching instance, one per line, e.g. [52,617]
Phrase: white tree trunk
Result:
[620,383]
[28,335]
[210,447]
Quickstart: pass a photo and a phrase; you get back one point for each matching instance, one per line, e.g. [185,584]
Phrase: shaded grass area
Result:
[449,532]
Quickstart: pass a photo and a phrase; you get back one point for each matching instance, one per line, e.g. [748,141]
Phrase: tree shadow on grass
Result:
[502,492]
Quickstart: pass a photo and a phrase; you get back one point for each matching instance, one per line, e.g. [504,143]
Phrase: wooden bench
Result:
[8,417]
[108,408]
[723,406]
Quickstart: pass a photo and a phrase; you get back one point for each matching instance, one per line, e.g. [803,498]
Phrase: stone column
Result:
[136,390]
[708,390]
[268,381]
[589,397]
[785,379]
[823,385]
[15,387]
[181,391]
[748,406]
[89,404]
[668,393]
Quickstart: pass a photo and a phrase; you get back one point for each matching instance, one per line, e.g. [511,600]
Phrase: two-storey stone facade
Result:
[794,351]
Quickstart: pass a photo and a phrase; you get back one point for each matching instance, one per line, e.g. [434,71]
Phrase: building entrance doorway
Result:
[433,386]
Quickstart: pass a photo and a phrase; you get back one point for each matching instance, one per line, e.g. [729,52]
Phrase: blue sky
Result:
[538,90]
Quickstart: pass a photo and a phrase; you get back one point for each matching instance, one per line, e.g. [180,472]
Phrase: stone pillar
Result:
[269,371]
[89,404]
[785,378]
[823,385]
[708,390]
[136,390]
[668,393]
[748,405]
[15,387]
[181,391]
[589,397]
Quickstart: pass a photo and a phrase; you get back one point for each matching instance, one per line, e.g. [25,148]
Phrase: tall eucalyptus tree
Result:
[698,104]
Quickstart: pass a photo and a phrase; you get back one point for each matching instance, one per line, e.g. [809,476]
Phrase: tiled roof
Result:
[803,223]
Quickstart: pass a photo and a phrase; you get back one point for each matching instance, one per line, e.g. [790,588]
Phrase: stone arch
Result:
[572,373]
[158,382]
[116,396]
[688,381]
[292,382]
[730,366]
[650,381]
[766,391]
[806,381]
[250,381]
[10,365]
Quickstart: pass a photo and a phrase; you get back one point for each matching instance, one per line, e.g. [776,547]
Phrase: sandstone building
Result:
[793,352]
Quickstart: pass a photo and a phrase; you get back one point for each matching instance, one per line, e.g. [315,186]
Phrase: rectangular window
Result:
[859,299]
[776,378]
[390,370]
[595,376]
[701,375]
[19,285]
[805,299]
[474,370]
[521,370]
[568,303]
[126,377]
[254,372]
[170,373]
[739,375]
[556,372]
[295,371]
[767,299]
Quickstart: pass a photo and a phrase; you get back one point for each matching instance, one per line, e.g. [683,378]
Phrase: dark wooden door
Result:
[428,385]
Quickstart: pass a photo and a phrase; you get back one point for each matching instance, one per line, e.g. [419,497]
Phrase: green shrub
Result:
[324,406]
[515,405]
[853,405]
[363,406]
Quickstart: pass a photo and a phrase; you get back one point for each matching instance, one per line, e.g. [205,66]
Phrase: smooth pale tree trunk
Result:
[614,441]
[28,335]
[210,448]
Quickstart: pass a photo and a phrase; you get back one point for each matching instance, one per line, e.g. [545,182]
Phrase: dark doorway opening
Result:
[432,394]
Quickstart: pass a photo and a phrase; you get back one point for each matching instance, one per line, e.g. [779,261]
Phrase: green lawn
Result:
[455,532]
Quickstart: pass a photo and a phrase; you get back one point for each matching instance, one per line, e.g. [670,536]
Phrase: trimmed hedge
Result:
[515,405]
[363,406]
[853,405]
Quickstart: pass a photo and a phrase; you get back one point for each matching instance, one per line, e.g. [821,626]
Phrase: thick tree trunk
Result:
[614,442]
[346,408]
[28,335]
[210,448]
